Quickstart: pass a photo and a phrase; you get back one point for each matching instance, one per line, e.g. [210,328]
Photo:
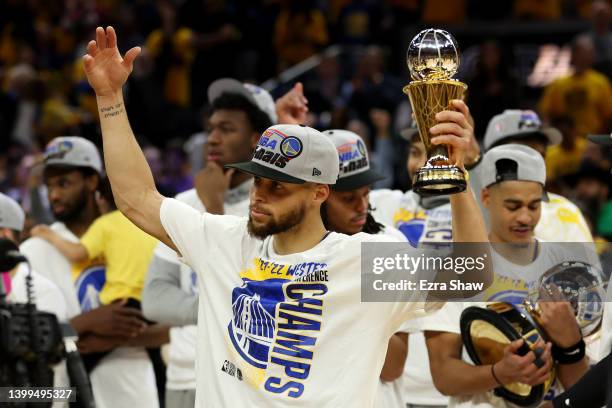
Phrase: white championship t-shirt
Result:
[181,372]
[123,378]
[281,330]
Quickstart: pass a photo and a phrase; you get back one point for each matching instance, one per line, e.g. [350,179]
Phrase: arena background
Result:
[350,56]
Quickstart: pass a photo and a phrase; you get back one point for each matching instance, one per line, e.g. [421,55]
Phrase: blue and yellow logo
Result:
[291,147]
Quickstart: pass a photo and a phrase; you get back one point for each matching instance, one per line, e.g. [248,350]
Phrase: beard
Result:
[276,226]
[73,211]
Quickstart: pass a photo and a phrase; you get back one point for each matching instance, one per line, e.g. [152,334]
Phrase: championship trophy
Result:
[433,59]
[486,331]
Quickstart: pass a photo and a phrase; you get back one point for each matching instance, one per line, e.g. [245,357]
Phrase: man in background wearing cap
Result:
[347,210]
[46,294]
[240,113]
[277,289]
[72,169]
[561,220]
[513,177]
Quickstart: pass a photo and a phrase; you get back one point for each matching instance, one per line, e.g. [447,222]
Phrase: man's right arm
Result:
[130,176]
[452,376]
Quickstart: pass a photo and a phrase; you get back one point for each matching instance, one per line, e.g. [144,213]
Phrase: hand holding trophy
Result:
[433,59]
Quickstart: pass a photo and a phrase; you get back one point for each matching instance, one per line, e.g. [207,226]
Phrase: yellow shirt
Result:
[561,162]
[127,250]
[586,98]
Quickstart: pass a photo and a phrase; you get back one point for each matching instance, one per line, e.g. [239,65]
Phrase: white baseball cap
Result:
[515,123]
[512,162]
[293,154]
[11,214]
[253,93]
[355,171]
[72,151]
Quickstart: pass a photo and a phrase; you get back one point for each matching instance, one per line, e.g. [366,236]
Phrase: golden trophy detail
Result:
[433,59]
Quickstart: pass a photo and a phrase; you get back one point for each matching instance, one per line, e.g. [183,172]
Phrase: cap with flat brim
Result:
[257,169]
[605,140]
[552,135]
[358,180]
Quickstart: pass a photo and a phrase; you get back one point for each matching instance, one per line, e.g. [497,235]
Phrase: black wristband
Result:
[495,376]
[569,355]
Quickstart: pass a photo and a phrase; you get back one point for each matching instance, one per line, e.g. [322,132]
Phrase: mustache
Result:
[259,209]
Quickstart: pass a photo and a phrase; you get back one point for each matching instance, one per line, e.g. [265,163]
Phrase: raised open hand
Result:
[106,70]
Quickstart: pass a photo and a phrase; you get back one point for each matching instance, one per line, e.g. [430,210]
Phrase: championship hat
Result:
[253,93]
[512,162]
[355,171]
[11,214]
[514,123]
[72,151]
[293,154]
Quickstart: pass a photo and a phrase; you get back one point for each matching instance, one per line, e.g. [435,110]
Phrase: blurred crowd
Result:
[189,43]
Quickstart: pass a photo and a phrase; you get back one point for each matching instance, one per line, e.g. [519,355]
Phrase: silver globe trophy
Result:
[582,285]
[433,59]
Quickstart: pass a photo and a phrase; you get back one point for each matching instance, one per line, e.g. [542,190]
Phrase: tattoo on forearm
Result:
[112,110]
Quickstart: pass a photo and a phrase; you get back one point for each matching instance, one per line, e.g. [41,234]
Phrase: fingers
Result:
[130,312]
[541,374]
[100,38]
[92,48]
[130,56]
[88,62]
[456,142]
[299,88]
[447,128]
[229,174]
[462,107]
[111,37]
[452,116]
[514,346]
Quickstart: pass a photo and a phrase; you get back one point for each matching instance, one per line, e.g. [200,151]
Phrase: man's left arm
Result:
[455,130]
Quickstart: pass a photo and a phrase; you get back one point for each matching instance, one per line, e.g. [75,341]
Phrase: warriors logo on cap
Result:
[291,147]
[293,154]
[58,150]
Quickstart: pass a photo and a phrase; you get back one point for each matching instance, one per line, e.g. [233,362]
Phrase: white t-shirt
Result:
[282,330]
[512,283]
[419,225]
[123,378]
[181,372]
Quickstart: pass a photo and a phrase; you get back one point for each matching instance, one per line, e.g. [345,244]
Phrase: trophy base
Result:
[439,180]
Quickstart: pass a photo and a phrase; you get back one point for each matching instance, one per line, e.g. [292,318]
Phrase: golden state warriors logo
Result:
[252,327]
[291,147]
[88,285]
[58,150]
[276,319]
[361,148]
